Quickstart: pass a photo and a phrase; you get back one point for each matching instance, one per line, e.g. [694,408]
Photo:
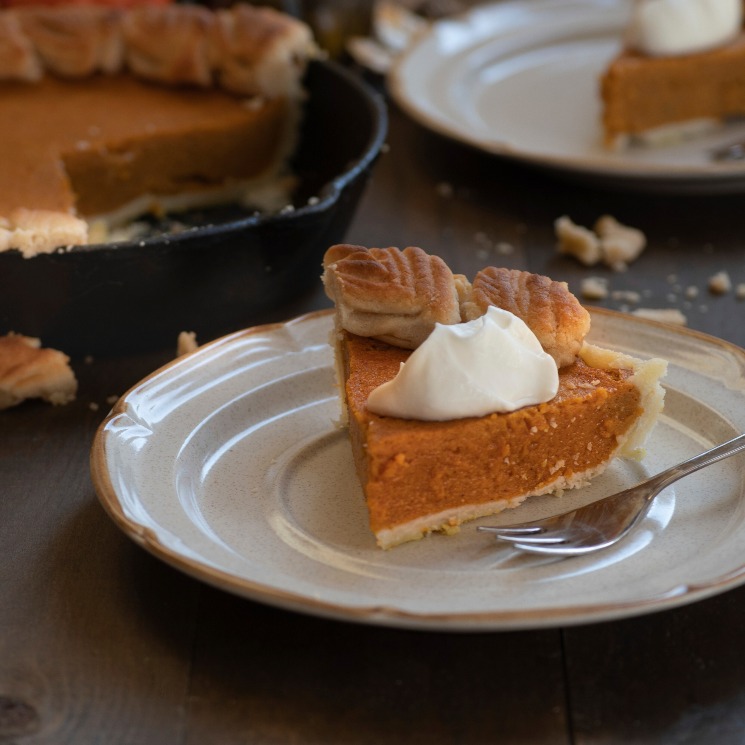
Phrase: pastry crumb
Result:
[445,189]
[720,283]
[577,241]
[665,315]
[28,370]
[628,296]
[610,242]
[594,288]
[186,342]
[621,245]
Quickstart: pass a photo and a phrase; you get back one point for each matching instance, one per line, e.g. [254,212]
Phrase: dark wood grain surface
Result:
[102,643]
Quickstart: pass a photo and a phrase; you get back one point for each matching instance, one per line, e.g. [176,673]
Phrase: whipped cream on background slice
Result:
[661,28]
[494,363]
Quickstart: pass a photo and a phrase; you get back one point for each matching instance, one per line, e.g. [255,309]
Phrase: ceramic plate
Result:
[521,80]
[229,464]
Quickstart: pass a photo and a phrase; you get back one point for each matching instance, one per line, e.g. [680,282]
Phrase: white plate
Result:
[521,80]
[228,464]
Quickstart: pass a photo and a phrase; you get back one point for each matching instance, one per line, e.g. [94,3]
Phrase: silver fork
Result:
[601,524]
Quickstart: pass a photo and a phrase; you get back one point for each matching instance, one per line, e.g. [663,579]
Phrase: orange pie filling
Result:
[114,140]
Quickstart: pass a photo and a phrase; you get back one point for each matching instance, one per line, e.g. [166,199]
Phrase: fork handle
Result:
[720,452]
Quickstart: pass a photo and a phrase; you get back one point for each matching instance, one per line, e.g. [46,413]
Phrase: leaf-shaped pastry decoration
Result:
[169,43]
[75,41]
[551,311]
[259,51]
[389,294]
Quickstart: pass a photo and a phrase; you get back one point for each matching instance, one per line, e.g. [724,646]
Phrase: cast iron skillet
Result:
[220,275]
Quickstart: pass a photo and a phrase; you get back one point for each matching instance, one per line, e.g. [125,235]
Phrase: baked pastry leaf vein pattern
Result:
[397,296]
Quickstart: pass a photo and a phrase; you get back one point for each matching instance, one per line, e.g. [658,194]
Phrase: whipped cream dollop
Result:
[661,28]
[494,363]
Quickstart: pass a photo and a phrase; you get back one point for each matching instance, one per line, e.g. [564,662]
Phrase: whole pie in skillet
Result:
[109,113]
[424,476]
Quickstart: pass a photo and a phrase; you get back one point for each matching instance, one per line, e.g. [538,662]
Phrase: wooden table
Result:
[102,643]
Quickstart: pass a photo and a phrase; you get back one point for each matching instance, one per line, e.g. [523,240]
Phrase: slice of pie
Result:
[109,114]
[661,98]
[424,476]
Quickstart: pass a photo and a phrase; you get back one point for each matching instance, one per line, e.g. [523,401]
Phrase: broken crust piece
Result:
[425,476]
[28,371]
